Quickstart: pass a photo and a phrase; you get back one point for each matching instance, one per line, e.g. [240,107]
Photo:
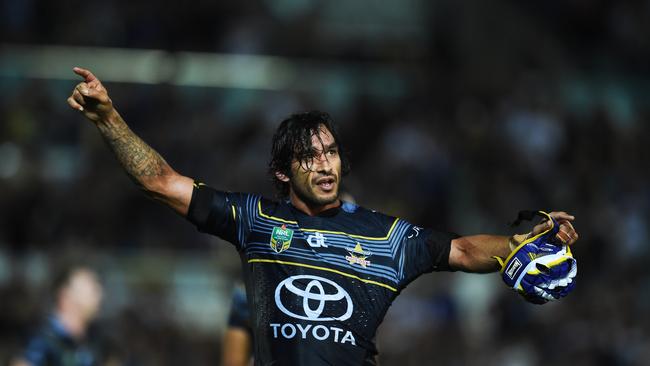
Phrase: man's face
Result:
[85,293]
[316,180]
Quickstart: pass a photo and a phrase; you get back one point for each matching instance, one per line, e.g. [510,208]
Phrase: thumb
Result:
[542,227]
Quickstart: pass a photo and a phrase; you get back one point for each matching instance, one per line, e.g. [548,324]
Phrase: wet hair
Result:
[292,140]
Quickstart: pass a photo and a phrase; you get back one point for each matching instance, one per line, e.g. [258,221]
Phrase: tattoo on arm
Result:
[138,159]
[146,168]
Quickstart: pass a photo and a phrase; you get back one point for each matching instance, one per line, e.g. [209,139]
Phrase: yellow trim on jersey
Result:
[323,269]
[390,231]
[259,208]
[234,213]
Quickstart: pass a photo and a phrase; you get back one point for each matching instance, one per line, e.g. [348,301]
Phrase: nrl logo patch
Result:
[358,256]
[281,238]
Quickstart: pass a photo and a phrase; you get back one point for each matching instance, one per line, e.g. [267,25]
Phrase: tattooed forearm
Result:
[139,160]
[144,165]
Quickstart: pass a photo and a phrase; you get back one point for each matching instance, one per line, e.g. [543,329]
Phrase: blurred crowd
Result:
[505,106]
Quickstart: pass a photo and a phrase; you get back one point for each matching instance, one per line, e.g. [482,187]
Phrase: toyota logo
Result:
[316,294]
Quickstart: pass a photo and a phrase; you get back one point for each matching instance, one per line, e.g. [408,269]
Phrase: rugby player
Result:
[320,272]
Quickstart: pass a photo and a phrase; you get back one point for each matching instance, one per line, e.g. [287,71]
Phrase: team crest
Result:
[281,238]
[358,256]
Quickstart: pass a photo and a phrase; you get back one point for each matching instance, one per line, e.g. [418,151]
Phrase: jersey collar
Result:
[331,212]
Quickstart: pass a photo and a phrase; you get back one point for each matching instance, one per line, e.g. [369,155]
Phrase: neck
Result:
[73,323]
[311,210]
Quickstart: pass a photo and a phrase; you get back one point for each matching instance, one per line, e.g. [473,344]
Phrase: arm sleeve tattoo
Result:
[139,160]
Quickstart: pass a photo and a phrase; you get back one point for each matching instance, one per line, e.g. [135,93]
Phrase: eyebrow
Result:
[331,146]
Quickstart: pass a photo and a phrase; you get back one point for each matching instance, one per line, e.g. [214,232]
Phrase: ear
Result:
[282,177]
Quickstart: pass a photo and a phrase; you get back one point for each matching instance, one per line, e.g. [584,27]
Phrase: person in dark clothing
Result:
[62,340]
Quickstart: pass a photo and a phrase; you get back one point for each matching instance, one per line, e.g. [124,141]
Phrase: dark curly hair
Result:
[292,140]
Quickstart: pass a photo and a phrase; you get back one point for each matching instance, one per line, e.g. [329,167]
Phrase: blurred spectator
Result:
[64,339]
[237,344]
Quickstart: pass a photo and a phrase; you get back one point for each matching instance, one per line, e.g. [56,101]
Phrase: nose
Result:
[322,164]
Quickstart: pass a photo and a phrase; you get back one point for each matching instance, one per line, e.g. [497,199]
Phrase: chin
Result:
[326,199]
[313,196]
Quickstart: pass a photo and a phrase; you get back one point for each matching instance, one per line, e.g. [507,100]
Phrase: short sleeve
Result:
[424,251]
[224,214]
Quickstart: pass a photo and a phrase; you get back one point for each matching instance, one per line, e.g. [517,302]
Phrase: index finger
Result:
[86,74]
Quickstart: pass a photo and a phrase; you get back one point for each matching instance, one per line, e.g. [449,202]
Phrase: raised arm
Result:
[142,163]
[475,253]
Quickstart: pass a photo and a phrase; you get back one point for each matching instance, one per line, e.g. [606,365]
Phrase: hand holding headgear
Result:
[539,268]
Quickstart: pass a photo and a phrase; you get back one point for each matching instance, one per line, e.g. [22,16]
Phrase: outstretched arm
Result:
[475,253]
[142,163]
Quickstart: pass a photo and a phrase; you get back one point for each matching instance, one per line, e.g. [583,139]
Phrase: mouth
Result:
[326,184]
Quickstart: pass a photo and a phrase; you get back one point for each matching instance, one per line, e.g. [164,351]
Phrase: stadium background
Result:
[456,115]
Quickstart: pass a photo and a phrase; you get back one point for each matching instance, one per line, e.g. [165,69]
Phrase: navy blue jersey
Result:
[53,346]
[318,286]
